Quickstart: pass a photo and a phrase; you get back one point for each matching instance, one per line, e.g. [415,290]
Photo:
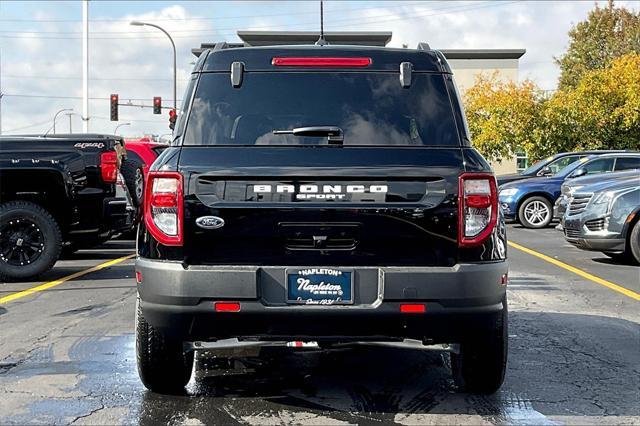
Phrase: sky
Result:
[41,56]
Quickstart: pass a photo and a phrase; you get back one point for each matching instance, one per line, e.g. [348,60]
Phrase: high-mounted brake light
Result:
[109,166]
[163,207]
[477,208]
[321,62]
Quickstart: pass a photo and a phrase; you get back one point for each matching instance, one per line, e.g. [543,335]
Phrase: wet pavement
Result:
[67,356]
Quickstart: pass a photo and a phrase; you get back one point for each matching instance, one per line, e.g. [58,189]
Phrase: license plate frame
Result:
[326,279]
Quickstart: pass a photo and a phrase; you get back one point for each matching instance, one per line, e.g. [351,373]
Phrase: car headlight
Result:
[508,192]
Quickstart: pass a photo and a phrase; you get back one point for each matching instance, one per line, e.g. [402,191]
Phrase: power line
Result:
[21,95]
[37,77]
[347,23]
[216,18]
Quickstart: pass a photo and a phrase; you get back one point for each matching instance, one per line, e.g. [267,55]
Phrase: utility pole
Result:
[85,67]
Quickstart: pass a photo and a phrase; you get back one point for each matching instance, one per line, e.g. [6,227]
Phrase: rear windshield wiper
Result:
[334,134]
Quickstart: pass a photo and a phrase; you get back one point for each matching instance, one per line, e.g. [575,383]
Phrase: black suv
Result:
[326,194]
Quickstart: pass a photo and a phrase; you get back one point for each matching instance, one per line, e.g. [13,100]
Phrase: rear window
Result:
[370,108]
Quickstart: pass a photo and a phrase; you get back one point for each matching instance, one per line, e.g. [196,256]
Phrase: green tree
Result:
[606,34]
[601,112]
[503,116]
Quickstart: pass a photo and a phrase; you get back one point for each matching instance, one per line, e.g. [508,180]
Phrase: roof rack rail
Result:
[423,46]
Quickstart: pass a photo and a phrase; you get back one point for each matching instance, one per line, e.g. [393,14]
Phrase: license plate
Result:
[320,286]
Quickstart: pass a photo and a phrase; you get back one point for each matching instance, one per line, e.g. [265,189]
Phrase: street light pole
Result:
[175,69]
[70,128]
[55,117]
[115,132]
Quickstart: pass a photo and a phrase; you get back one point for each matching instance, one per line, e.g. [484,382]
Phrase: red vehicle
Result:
[141,153]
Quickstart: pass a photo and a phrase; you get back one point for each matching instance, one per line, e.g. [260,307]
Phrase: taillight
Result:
[321,62]
[477,208]
[163,208]
[109,166]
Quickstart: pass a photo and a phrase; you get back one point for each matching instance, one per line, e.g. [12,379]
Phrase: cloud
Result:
[136,62]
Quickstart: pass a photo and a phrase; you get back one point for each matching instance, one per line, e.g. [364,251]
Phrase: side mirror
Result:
[580,172]
[545,171]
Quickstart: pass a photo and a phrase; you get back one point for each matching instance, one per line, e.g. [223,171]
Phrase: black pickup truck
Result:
[323,194]
[57,193]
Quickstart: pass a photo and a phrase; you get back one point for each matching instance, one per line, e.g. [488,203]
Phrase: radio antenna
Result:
[321,41]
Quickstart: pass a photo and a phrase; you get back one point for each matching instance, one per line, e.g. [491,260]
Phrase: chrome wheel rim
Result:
[536,213]
[139,184]
[21,242]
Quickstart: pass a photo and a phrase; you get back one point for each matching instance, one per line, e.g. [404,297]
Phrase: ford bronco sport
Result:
[323,194]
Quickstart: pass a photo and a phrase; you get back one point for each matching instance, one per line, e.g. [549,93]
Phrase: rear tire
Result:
[134,179]
[535,212]
[163,366]
[634,242]
[30,240]
[481,364]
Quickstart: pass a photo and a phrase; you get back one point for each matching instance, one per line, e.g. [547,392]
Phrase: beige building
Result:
[465,63]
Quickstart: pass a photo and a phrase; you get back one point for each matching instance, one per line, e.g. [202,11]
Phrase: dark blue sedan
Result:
[530,201]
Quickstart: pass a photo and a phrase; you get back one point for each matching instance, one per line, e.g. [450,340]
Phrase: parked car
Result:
[550,166]
[358,211]
[572,185]
[140,154]
[530,201]
[58,192]
[604,217]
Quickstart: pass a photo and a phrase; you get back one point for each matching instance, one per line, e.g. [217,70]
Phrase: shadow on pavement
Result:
[560,365]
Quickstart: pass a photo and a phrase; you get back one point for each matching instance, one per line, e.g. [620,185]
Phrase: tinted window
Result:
[370,108]
[627,163]
[599,166]
[561,163]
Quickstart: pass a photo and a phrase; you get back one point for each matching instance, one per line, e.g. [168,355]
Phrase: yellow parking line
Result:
[45,286]
[583,274]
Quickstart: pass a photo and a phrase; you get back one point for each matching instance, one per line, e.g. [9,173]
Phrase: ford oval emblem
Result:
[210,222]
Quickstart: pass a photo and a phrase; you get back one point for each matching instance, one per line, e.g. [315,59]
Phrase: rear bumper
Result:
[459,301]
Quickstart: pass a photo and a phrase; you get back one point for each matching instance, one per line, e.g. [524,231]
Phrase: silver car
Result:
[572,185]
[605,217]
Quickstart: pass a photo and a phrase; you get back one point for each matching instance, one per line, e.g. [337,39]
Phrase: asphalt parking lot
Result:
[67,355]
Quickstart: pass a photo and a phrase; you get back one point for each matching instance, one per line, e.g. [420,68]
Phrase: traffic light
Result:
[114,107]
[157,105]
[173,116]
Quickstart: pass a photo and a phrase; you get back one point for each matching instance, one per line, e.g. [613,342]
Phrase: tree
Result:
[606,34]
[503,117]
[602,111]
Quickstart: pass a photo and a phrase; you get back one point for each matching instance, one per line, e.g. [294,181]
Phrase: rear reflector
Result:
[412,308]
[227,307]
[138,277]
[321,62]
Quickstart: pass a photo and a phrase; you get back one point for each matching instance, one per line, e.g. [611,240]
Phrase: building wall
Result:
[465,72]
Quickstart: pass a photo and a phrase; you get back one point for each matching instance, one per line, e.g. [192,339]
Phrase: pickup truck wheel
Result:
[634,242]
[481,364]
[163,366]
[30,240]
[535,212]
[134,179]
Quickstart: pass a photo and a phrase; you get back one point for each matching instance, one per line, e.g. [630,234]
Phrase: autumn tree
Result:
[606,34]
[601,112]
[503,116]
